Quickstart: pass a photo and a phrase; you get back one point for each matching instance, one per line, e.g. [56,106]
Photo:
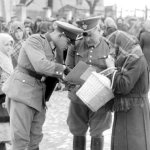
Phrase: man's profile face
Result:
[91,37]
[63,41]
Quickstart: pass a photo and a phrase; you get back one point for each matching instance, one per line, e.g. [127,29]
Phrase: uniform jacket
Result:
[37,55]
[94,56]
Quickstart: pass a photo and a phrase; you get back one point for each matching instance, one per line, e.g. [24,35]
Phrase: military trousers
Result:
[80,118]
[25,126]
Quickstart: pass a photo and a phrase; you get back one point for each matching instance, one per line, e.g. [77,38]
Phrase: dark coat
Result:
[131,127]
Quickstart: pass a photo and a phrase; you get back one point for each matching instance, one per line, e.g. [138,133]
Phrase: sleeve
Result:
[36,55]
[125,80]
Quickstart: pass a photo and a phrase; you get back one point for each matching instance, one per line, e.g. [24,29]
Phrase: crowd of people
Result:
[35,58]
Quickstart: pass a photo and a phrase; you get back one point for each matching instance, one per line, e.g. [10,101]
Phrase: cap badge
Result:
[84,26]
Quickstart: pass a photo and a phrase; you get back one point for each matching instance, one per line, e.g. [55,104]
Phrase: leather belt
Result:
[29,72]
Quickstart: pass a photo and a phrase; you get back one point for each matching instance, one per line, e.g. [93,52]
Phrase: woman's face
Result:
[7,47]
[19,34]
[28,31]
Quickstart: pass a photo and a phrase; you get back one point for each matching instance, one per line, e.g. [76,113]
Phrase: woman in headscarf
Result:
[131,126]
[110,26]
[17,31]
[6,68]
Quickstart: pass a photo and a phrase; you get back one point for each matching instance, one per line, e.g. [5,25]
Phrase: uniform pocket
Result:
[25,79]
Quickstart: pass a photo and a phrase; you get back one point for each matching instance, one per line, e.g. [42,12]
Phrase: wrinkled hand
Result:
[110,62]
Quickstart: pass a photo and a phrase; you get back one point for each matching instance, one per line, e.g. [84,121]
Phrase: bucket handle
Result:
[113,78]
[104,72]
[108,70]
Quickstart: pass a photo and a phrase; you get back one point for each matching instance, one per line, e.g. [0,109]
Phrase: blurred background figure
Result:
[17,31]
[28,24]
[136,28]
[122,25]
[6,68]
[110,26]
[36,25]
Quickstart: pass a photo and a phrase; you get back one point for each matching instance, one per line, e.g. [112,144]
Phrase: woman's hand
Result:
[110,62]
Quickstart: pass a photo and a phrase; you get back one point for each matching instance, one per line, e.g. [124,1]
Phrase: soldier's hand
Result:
[67,70]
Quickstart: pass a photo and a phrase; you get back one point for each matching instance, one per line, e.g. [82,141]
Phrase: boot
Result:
[97,143]
[2,146]
[79,143]
[36,148]
[33,149]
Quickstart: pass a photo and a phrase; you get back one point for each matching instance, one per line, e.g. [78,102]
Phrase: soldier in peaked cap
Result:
[27,87]
[92,49]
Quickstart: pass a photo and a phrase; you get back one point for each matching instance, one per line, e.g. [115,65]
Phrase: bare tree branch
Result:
[29,3]
[92,6]
[89,3]
[95,2]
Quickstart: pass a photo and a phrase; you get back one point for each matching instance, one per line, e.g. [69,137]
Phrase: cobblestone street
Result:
[56,133]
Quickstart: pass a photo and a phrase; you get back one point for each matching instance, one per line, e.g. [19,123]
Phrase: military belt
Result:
[29,72]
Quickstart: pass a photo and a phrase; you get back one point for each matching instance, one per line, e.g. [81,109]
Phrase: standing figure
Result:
[131,126]
[6,68]
[27,89]
[91,49]
[17,31]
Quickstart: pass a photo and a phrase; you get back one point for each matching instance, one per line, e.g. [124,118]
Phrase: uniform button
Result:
[23,80]
[56,72]
[90,56]
[91,51]
[77,53]
[60,73]
[89,60]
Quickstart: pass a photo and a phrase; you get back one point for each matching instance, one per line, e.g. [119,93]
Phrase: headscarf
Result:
[5,60]
[109,22]
[146,25]
[126,46]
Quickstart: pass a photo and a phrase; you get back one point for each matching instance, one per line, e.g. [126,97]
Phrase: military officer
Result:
[92,49]
[25,89]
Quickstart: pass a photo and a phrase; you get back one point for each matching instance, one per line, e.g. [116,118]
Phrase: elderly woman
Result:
[131,126]
[6,68]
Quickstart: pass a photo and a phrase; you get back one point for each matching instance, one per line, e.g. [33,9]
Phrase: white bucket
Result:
[96,91]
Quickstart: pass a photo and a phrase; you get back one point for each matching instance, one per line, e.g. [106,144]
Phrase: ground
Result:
[56,132]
